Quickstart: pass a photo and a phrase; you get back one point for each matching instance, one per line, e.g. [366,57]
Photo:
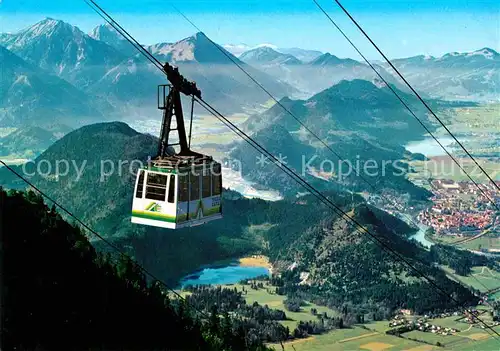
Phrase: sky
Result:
[401,28]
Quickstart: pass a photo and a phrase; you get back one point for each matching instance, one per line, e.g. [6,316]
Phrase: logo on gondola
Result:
[153,207]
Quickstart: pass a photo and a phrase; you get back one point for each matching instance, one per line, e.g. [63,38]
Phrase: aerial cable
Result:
[308,129]
[290,172]
[320,196]
[314,134]
[328,147]
[139,47]
[415,92]
[296,118]
[405,104]
[124,33]
[334,207]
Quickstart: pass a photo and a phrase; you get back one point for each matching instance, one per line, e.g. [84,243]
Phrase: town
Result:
[460,208]
[404,322]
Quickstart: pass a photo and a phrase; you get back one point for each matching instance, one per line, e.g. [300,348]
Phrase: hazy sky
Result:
[401,28]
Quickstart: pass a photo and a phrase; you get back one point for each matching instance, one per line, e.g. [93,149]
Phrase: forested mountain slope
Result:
[59,294]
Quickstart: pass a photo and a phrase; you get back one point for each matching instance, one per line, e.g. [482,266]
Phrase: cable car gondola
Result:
[177,190]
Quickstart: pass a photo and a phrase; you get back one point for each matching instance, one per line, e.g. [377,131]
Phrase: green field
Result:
[491,240]
[479,119]
[208,129]
[276,301]
[481,278]
[484,242]
[371,336]
[352,339]
[445,168]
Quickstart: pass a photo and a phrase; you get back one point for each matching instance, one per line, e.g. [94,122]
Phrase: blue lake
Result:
[429,147]
[223,275]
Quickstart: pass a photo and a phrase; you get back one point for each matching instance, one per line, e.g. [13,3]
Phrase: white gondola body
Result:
[177,197]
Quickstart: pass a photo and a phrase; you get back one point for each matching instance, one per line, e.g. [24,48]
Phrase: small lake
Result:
[429,147]
[222,275]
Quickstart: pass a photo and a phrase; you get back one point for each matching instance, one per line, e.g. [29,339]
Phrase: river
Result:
[422,229]
[420,236]
[223,275]
[233,180]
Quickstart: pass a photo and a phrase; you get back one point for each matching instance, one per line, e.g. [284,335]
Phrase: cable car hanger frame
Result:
[182,189]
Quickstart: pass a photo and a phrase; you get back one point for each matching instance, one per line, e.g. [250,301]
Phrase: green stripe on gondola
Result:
[155,216]
[162,170]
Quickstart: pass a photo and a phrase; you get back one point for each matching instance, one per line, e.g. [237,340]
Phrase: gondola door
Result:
[183,197]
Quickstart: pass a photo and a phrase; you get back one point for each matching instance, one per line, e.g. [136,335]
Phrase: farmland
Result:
[371,336]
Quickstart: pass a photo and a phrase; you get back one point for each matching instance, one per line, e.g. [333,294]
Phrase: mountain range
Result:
[99,75]
[103,65]
[469,76]
[30,95]
[64,50]
[56,78]
[357,120]
[301,54]
[455,76]
[221,82]
[315,75]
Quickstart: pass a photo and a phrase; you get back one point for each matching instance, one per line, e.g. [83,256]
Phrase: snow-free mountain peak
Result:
[195,48]
[328,59]
[266,55]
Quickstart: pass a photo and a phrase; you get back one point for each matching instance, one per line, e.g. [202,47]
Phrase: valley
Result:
[373,336]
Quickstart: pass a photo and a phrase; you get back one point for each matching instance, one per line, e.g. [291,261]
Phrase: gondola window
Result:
[140,185]
[156,187]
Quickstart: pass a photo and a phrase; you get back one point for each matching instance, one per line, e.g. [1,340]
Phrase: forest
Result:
[461,261]
[260,322]
[348,269]
[58,293]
